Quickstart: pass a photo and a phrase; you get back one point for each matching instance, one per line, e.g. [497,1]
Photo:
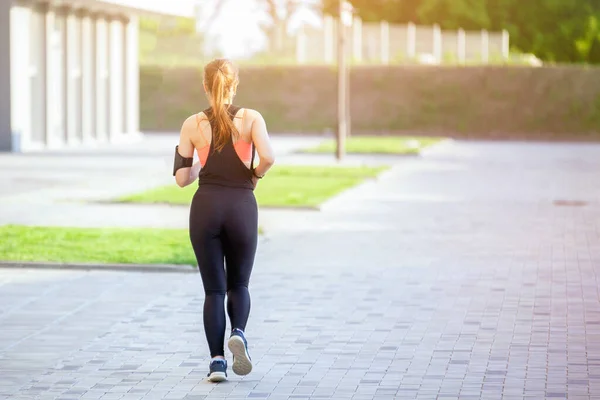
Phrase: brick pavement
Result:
[454,276]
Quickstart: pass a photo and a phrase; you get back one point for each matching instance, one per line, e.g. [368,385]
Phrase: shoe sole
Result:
[241,360]
[217,377]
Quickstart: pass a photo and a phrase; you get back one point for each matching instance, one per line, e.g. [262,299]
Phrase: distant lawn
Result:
[377,145]
[95,245]
[284,186]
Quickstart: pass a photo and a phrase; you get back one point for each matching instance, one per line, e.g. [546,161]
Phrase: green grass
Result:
[96,245]
[377,145]
[284,186]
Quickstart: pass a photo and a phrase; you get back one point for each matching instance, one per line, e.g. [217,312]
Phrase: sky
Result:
[236,30]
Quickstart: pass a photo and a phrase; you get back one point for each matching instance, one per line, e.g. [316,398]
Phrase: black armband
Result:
[180,161]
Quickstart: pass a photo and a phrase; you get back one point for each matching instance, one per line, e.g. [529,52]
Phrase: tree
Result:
[454,14]
[394,11]
[280,12]
[553,30]
[215,13]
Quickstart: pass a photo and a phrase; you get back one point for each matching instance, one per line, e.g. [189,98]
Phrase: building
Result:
[69,70]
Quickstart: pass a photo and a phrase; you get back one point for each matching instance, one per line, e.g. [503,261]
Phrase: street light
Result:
[344,19]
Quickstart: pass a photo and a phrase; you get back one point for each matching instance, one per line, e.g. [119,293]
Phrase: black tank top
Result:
[225,168]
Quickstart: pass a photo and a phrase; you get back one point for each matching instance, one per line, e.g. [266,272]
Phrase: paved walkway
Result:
[454,276]
[72,188]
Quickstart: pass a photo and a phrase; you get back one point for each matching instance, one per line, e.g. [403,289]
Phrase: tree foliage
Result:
[553,30]
[280,12]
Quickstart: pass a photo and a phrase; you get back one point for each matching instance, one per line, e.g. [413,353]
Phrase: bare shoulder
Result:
[201,120]
[189,122]
[253,115]
[192,122]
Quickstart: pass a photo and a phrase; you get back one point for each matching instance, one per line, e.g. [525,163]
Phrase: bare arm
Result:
[261,140]
[187,175]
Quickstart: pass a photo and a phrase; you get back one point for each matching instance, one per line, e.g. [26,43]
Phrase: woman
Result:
[224,214]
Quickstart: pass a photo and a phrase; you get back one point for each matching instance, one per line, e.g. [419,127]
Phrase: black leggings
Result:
[224,231]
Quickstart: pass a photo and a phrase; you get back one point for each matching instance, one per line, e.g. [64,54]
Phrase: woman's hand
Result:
[254,181]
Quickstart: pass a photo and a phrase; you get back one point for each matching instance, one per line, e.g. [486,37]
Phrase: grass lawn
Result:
[377,145]
[284,186]
[95,245]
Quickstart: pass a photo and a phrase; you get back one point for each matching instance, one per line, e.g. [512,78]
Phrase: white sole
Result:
[241,360]
[217,377]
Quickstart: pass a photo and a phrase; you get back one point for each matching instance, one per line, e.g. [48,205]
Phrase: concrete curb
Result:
[358,155]
[423,152]
[187,206]
[162,268]
[144,268]
[437,147]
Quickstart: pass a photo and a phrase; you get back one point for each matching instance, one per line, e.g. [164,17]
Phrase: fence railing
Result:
[385,43]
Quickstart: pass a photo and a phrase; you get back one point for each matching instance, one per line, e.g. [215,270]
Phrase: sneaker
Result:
[242,363]
[218,370]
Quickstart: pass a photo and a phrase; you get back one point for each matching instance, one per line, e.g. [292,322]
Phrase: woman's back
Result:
[242,121]
[232,164]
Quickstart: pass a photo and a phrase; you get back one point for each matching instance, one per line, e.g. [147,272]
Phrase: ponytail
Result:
[221,79]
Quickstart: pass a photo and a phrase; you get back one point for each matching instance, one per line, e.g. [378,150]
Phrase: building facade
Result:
[71,77]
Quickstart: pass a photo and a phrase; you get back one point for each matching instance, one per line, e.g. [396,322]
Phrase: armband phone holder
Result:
[180,161]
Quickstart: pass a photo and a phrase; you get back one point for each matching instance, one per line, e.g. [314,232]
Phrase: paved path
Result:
[66,188]
[454,276]
[73,187]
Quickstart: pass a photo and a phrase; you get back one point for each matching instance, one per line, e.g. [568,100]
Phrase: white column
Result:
[61,15]
[101,79]
[20,85]
[73,79]
[124,65]
[301,45]
[88,96]
[55,94]
[385,42]
[132,97]
[116,85]
[37,74]
[505,45]
[411,41]
[328,39]
[357,39]
[50,38]
[437,43]
[485,46]
[5,77]
[462,46]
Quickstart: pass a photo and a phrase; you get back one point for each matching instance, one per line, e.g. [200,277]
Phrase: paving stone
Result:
[453,276]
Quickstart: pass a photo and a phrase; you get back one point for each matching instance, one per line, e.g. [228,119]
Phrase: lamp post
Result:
[342,128]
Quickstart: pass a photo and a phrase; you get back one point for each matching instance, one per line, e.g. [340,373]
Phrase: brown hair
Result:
[221,78]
